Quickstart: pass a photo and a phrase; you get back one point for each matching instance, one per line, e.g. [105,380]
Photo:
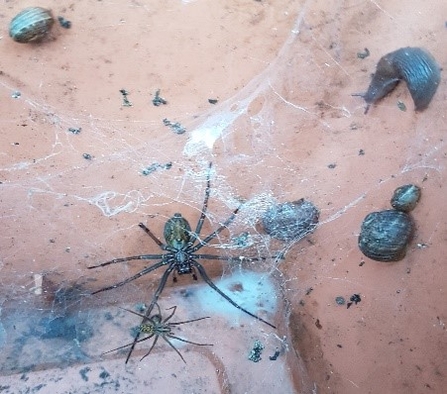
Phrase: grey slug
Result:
[417,67]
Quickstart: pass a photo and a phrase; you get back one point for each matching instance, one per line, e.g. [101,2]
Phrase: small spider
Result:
[154,325]
[180,254]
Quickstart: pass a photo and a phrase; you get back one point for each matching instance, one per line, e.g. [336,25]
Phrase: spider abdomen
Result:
[177,232]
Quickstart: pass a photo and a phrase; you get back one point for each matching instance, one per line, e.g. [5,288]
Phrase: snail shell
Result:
[384,235]
[291,220]
[406,197]
[31,24]
[417,67]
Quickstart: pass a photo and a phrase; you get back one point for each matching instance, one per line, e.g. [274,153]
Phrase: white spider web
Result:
[284,117]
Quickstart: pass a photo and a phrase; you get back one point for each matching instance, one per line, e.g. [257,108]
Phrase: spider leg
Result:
[151,234]
[188,321]
[123,259]
[170,344]
[186,341]
[199,226]
[215,233]
[139,314]
[172,313]
[207,279]
[129,344]
[146,317]
[150,350]
[229,259]
[136,276]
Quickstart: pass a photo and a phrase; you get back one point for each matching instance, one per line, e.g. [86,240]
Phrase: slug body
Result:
[415,66]
[31,25]
[291,221]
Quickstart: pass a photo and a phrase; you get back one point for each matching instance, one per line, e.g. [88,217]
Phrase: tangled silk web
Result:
[79,169]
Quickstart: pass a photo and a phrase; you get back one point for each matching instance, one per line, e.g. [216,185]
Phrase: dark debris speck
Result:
[155,166]
[275,355]
[66,24]
[255,353]
[176,127]
[355,298]
[364,54]
[83,372]
[157,100]
[74,130]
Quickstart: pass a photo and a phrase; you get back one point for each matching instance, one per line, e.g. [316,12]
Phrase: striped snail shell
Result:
[31,25]
[291,221]
[384,235]
[406,197]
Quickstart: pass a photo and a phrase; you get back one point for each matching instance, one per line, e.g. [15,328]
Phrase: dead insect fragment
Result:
[66,24]
[275,355]
[176,127]
[74,130]
[255,353]
[155,166]
[355,298]
[363,55]
[126,102]
[87,156]
[157,100]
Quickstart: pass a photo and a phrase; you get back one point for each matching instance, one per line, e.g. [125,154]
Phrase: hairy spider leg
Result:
[196,234]
[215,233]
[207,279]
[136,276]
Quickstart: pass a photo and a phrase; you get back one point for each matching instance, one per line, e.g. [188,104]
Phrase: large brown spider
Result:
[180,254]
[154,325]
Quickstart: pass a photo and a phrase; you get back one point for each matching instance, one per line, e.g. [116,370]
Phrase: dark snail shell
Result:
[31,25]
[406,197]
[291,220]
[417,67]
[384,235]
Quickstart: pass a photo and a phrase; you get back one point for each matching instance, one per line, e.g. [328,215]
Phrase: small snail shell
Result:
[31,24]
[291,220]
[384,235]
[415,66]
[406,197]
